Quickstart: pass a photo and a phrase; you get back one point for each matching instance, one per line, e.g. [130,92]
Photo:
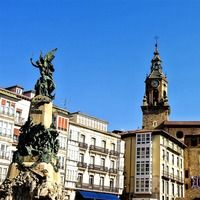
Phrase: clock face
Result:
[154,83]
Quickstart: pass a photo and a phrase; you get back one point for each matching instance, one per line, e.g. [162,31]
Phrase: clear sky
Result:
[104,52]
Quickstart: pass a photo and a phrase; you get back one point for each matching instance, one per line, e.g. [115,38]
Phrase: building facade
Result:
[91,159]
[154,166]
[100,157]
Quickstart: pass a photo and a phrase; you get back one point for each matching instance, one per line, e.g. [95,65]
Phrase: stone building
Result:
[156,111]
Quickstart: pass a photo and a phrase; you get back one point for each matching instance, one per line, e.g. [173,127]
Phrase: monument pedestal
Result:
[41,111]
[33,174]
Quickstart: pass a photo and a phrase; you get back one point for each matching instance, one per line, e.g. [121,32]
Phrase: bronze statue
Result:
[45,84]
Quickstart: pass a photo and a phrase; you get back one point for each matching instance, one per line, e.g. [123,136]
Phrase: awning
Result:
[98,196]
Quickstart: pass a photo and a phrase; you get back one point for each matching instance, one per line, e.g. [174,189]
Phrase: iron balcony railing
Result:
[9,112]
[5,155]
[113,171]
[97,149]
[114,153]
[83,145]
[97,187]
[19,120]
[82,164]
[101,168]
[173,177]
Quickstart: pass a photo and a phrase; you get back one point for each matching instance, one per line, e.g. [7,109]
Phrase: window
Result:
[177,161]
[178,173]
[186,174]
[112,164]
[81,157]
[143,139]
[163,154]
[178,190]
[163,167]
[111,183]
[103,144]
[146,185]
[138,139]
[92,160]
[167,169]
[4,152]
[62,123]
[173,189]
[173,172]
[143,152]
[103,162]
[3,173]
[181,163]
[167,156]
[137,184]
[101,181]
[138,168]
[147,168]
[147,152]
[163,186]
[155,123]
[61,162]
[172,159]
[194,141]
[138,152]
[93,141]
[6,128]
[113,146]
[91,180]
[82,138]
[80,178]
[167,187]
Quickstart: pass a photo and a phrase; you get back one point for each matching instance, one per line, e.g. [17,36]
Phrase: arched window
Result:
[155,96]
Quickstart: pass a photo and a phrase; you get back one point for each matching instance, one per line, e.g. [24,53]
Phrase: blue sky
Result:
[104,52]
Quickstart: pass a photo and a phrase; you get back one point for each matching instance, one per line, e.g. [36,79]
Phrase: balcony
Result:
[8,112]
[174,149]
[98,168]
[19,121]
[83,145]
[5,155]
[97,187]
[112,171]
[172,177]
[114,153]
[5,135]
[99,150]
[82,165]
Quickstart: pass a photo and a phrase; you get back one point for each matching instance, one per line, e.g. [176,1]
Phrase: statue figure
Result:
[45,84]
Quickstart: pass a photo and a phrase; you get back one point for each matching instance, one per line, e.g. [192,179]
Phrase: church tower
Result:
[155,106]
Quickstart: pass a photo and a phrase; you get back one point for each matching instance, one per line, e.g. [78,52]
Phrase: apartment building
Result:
[100,158]
[154,166]
[91,159]
[14,109]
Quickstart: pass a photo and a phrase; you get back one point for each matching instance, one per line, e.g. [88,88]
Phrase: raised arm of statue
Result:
[31,59]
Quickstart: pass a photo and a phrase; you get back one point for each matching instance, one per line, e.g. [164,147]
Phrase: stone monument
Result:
[33,173]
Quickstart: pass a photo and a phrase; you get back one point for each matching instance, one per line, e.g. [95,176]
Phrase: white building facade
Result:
[100,157]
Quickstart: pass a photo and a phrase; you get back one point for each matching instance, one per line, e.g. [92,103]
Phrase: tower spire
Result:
[155,105]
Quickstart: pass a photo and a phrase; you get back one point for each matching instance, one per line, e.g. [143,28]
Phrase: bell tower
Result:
[155,107]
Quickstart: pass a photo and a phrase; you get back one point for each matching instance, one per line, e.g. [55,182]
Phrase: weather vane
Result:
[156,39]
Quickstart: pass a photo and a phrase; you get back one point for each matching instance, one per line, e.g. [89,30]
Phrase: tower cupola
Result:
[155,106]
